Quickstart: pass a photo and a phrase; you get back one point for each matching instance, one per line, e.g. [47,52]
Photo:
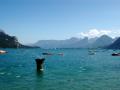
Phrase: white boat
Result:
[3,52]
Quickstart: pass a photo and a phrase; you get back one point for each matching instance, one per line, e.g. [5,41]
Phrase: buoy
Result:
[39,63]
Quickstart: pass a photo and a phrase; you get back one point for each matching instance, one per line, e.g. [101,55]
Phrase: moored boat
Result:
[92,53]
[60,54]
[47,53]
[116,54]
[3,52]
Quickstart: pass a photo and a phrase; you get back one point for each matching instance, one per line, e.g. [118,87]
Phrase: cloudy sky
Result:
[32,20]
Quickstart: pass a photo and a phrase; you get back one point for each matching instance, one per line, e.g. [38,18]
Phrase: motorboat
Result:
[116,54]
[46,53]
[60,54]
[3,52]
[92,53]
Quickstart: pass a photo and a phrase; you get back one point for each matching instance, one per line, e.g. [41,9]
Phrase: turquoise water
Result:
[76,70]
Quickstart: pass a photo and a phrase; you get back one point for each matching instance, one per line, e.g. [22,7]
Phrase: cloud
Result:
[115,33]
[95,33]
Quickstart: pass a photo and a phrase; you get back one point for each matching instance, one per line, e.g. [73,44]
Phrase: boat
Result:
[47,53]
[60,54]
[92,53]
[116,54]
[3,52]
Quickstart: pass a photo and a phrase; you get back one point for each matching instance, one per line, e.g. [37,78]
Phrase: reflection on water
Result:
[39,73]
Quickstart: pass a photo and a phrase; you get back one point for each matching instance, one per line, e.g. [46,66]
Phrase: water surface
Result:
[76,70]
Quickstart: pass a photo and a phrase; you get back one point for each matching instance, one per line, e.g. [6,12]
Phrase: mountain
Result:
[115,45]
[92,40]
[102,41]
[7,41]
[56,43]
[68,43]
[97,42]
[82,43]
[47,43]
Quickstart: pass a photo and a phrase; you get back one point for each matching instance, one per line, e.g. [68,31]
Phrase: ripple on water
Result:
[75,71]
[2,73]
[18,76]
[9,73]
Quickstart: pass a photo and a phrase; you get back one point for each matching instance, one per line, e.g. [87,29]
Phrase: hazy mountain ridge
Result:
[56,43]
[102,41]
[7,41]
[97,42]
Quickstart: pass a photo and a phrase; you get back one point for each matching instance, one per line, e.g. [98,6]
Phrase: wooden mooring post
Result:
[39,63]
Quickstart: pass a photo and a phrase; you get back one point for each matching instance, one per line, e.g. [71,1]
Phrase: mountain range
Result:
[97,42]
[7,41]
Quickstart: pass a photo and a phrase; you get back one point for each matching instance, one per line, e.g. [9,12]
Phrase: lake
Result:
[75,70]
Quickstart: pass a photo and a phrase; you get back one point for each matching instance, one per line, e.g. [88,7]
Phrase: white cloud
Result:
[96,33]
[115,34]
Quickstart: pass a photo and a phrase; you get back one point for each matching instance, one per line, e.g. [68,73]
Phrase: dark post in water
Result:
[39,63]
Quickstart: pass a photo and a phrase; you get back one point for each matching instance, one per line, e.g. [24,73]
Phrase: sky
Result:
[33,20]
